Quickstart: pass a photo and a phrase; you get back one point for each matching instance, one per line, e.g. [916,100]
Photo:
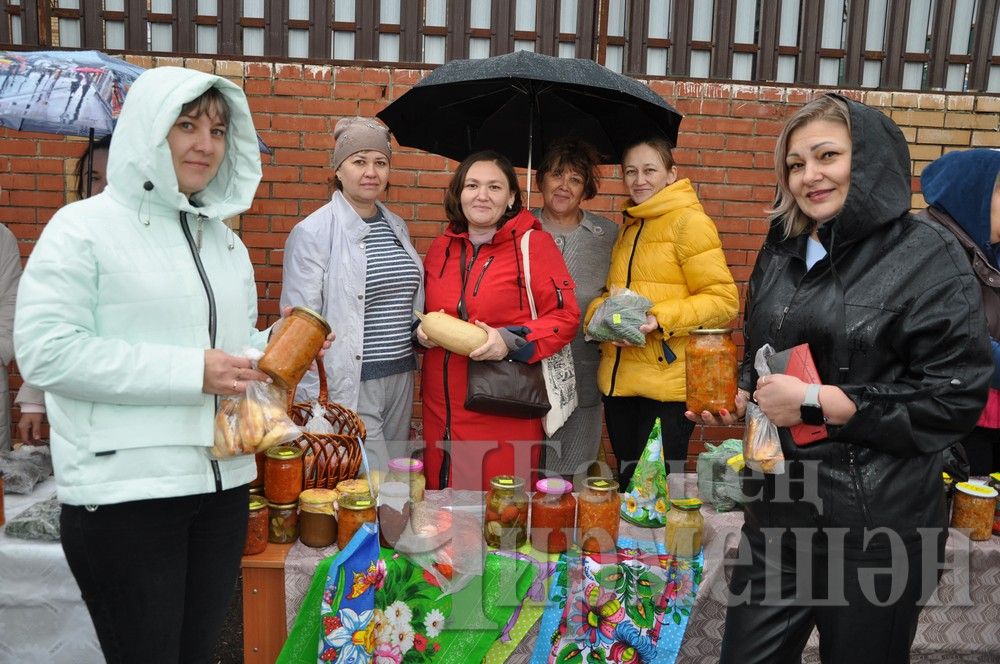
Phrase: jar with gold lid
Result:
[283,473]
[995,483]
[974,509]
[685,526]
[710,371]
[283,522]
[257,525]
[353,511]
[506,523]
[598,516]
[293,345]
[317,523]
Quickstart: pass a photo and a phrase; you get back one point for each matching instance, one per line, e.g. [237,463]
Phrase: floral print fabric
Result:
[646,502]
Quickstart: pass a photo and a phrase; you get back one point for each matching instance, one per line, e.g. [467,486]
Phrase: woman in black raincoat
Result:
[850,538]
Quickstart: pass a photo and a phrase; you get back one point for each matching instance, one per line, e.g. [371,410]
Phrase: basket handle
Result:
[323,392]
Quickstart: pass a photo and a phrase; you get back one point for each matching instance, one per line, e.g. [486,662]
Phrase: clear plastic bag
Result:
[253,422]
[317,420]
[446,543]
[618,318]
[761,444]
[718,481]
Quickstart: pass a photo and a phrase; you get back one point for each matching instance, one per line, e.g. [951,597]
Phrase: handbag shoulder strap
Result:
[526,257]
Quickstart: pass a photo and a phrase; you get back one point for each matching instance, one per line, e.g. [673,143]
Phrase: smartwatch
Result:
[810,411]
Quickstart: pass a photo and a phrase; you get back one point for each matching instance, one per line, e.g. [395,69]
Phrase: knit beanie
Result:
[357,134]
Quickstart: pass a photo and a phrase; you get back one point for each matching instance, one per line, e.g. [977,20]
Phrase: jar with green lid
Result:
[353,510]
[685,525]
[317,523]
[283,520]
[256,540]
[283,472]
[506,523]
[410,472]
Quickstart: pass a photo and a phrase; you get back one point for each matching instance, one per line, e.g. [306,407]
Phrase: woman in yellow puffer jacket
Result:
[669,251]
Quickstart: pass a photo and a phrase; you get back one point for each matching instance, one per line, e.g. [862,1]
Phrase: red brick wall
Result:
[725,147]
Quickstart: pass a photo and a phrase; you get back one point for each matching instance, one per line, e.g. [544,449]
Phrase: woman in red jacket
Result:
[465,449]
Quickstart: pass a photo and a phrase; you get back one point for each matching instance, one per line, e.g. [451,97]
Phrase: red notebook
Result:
[798,361]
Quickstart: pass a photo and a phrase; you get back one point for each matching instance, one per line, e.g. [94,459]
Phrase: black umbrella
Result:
[519,103]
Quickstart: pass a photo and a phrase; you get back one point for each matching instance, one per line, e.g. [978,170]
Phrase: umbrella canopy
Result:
[71,93]
[519,103]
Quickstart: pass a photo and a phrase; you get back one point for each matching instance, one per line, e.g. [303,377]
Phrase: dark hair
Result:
[209,100]
[661,145]
[576,155]
[82,165]
[457,223]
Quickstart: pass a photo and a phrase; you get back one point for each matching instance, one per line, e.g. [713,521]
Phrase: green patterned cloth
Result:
[647,500]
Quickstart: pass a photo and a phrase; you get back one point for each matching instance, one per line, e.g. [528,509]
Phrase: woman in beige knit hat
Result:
[352,261]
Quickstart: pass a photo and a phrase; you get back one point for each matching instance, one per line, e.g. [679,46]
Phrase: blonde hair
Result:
[829,108]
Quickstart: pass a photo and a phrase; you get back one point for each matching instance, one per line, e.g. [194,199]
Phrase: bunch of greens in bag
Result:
[618,318]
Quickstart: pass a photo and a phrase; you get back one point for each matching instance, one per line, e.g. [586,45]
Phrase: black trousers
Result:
[865,608]
[158,575]
[629,421]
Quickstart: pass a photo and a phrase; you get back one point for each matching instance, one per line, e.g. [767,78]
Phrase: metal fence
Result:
[887,44]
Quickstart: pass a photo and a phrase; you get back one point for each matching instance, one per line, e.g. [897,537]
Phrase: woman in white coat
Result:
[353,262]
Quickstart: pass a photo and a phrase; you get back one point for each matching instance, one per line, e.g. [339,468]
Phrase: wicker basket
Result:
[329,457]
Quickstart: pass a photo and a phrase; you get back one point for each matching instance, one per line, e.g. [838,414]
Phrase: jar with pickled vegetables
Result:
[553,515]
[710,369]
[598,516]
[317,523]
[685,526]
[410,472]
[995,483]
[353,510]
[283,474]
[256,540]
[506,524]
[283,522]
[974,509]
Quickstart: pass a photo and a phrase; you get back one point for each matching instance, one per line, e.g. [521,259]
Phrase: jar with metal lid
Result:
[506,523]
[995,483]
[710,369]
[257,536]
[293,345]
[283,522]
[317,523]
[353,510]
[685,526]
[283,474]
[975,509]
[411,472]
[598,516]
[553,515]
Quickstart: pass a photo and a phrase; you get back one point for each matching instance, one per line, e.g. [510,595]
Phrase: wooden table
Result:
[264,629]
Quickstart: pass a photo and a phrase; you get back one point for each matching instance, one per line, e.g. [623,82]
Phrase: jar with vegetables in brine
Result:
[353,510]
[974,509]
[710,369]
[506,524]
[553,515]
[995,483]
[283,474]
[283,520]
[598,516]
[411,472]
[256,540]
[317,523]
[685,526]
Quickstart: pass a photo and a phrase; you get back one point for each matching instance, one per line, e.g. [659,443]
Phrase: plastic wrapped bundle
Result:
[618,318]
[25,467]
[38,522]
[718,481]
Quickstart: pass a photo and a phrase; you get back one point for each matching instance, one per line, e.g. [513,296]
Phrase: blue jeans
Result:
[158,575]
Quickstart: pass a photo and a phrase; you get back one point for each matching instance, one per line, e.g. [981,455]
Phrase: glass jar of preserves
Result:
[506,523]
[995,483]
[353,510]
[411,472]
[293,345]
[283,520]
[598,516]
[710,368]
[974,509]
[258,482]
[553,515]
[257,538]
[685,525]
[393,512]
[283,474]
[317,523]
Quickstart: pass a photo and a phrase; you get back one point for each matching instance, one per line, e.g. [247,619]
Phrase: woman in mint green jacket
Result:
[131,315]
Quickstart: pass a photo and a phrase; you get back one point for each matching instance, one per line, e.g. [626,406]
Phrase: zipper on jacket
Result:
[195,254]
[856,476]
[482,273]
[628,283]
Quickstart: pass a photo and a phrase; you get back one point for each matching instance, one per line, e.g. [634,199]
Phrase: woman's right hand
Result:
[228,375]
[725,417]
[645,328]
